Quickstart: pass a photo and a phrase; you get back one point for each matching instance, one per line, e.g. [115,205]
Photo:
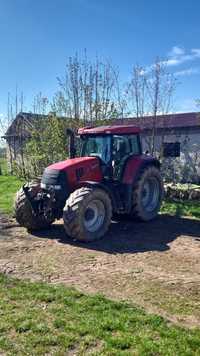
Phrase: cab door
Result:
[123,147]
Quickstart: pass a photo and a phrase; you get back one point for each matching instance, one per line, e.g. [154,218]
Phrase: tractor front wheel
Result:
[147,194]
[87,214]
[23,210]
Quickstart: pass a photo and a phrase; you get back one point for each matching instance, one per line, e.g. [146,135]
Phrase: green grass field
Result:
[8,187]
[41,319]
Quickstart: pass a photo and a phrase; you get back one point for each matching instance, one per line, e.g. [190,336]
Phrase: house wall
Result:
[14,152]
[185,168]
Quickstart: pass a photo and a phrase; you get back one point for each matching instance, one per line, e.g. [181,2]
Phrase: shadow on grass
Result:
[132,237]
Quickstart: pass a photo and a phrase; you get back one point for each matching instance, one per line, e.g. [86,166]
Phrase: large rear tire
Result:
[147,194]
[24,213]
[87,214]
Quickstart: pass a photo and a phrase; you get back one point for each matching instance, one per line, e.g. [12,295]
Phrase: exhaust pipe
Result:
[72,148]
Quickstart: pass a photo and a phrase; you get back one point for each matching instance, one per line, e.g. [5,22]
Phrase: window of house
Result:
[171,149]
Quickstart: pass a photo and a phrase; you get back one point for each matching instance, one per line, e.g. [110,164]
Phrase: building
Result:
[182,129]
[17,134]
[170,127]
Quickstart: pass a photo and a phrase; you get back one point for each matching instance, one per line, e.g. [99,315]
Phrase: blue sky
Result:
[37,36]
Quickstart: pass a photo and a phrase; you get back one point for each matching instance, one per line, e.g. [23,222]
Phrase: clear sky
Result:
[37,36]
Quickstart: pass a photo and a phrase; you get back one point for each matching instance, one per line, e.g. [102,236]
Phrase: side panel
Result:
[133,166]
[84,171]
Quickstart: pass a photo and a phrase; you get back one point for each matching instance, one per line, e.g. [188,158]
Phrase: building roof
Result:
[114,129]
[171,121]
[22,123]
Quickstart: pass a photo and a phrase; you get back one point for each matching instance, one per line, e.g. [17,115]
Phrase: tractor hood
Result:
[73,162]
[70,174]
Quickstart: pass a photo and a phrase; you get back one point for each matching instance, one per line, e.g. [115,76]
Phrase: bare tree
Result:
[88,91]
[135,91]
[13,104]
[150,92]
[40,104]
[160,86]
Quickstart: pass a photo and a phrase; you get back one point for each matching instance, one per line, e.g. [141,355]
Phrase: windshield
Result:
[98,146]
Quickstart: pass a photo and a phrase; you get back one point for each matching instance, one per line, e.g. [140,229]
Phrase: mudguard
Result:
[135,165]
[132,170]
[109,190]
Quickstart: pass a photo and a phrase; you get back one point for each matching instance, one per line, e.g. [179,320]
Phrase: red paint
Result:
[132,167]
[114,130]
[90,168]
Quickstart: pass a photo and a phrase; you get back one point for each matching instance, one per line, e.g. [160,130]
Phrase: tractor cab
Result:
[112,145]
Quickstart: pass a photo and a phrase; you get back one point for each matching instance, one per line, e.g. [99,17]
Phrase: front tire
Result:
[87,214]
[148,194]
[24,213]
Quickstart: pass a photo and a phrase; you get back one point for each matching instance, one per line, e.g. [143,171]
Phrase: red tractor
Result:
[109,177]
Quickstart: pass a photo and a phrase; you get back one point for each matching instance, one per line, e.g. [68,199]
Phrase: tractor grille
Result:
[54,179]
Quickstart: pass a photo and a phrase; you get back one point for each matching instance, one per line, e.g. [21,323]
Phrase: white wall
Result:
[187,167]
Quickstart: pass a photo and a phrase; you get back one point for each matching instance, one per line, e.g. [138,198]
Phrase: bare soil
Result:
[155,265]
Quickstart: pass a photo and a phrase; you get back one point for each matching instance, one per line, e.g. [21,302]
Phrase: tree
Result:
[40,104]
[47,145]
[150,92]
[90,91]
[13,104]
[136,91]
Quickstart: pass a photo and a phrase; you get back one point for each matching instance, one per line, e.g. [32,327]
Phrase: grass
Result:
[8,187]
[39,319]
[185,208]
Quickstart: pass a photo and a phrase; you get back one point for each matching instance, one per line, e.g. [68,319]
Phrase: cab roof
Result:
[106,130]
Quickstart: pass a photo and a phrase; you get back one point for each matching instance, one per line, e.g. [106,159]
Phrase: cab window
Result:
[97,146]
[124,146]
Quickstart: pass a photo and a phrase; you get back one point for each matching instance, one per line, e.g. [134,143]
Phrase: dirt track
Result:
[156,265]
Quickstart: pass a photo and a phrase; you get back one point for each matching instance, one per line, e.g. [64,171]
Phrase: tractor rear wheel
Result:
[87,214]
[147,194]
[23,210]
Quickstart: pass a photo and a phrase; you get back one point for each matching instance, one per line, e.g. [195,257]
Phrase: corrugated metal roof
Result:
[170,121]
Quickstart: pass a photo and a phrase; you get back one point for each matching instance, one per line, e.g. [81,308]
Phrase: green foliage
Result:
[186,208]
[38,319]
[48,144]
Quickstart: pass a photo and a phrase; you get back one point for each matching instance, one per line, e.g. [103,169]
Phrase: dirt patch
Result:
[155,265]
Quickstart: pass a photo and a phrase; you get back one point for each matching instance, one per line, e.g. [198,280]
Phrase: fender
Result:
[134,165]
[132,171]
[108,189]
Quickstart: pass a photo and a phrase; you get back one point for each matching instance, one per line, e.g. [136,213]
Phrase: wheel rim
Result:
[150,194]
[94,216]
